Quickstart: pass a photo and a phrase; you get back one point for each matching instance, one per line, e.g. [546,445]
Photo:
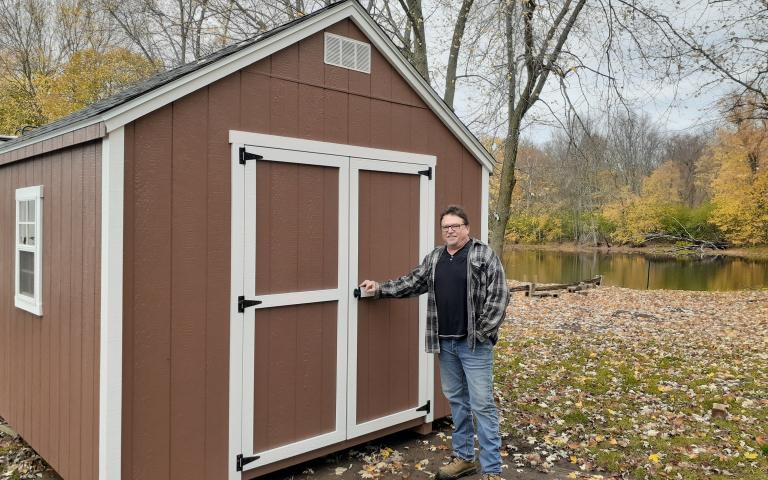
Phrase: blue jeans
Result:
[467,380]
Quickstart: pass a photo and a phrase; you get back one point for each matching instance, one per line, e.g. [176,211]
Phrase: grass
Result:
[636,402]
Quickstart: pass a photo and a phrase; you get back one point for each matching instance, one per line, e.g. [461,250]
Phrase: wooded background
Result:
[609,173]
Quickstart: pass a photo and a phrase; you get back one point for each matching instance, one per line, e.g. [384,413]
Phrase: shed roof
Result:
[170,85]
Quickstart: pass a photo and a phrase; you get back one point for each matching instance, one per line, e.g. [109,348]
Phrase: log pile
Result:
[539,291]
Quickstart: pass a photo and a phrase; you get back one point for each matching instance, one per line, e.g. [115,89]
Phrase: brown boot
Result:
[491,476]
[457,468]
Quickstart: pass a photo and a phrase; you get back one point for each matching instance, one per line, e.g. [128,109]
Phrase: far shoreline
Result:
[751,253]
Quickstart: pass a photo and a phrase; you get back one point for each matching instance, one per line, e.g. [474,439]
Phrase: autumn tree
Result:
[90,76]
[636,147]
[683,151]
[27,53]
[740,187]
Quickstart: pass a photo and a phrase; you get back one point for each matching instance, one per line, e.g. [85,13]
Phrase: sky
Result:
[686,105]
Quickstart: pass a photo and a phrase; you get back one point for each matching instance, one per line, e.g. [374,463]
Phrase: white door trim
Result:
[298,298]
[293,150]
[314,146]
[290,298]
[236,319]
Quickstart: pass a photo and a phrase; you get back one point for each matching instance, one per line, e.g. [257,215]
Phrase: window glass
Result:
[27,273]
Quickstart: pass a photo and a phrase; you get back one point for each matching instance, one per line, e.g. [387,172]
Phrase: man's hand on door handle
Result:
[369,288]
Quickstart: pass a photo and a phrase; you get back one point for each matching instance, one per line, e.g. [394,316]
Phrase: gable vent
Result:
[347,53]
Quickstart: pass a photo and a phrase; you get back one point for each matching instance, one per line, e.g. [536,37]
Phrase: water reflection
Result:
[636,270]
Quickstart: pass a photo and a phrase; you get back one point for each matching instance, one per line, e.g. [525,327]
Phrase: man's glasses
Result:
[448,228]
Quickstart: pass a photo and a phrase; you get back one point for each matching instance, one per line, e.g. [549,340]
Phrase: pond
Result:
[638,271]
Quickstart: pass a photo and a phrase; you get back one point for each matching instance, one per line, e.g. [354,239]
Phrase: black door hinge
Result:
[245,156]
[427,407]
[242,303]
[243,461]
[427,173]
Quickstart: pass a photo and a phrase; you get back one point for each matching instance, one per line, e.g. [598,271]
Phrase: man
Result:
[468,297]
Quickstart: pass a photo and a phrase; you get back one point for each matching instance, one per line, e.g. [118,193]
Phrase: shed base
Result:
[416,424]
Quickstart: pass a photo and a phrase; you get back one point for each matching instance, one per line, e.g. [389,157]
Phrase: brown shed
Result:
[183,258]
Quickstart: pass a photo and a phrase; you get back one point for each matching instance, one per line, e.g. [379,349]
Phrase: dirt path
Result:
[408,455]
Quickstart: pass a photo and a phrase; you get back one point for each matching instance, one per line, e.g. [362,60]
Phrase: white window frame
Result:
[33,304]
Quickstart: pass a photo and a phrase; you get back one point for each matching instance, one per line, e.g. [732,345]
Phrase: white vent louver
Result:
[347,53]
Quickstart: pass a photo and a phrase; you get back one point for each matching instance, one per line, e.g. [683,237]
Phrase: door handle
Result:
[359,293]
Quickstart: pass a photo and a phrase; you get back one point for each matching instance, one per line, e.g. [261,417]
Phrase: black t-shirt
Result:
[451,293]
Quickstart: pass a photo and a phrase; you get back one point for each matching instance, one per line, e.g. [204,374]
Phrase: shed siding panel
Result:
[284,107]
[311,106]
[82,135]
[296,342]
[297,217]
[336,117]
[311,60]
[5,334]
[129,267]
[285,63]
[388,342]
[293,94]
[46,376]
[359,120]
[188,240]
[223,115]
[65,311]
[151,227]
[76,313]
[254,107]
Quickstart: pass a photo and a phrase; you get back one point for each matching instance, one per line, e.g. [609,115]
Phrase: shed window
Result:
[29,222]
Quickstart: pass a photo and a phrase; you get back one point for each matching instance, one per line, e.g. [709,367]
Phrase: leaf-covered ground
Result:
[625,381]
[616,383]
[18,461]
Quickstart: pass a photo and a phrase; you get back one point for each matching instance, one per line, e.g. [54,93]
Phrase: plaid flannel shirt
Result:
[487,293]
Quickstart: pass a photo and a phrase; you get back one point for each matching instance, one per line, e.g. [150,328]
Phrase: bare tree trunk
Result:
[506,185]
[415,15]
[538,64]
[453,56]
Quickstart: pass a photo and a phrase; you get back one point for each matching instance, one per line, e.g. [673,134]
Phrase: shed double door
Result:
[321,366]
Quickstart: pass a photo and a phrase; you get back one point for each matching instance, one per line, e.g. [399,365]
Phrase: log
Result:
[545,294]
[696,243]
[532,288]
[519,288]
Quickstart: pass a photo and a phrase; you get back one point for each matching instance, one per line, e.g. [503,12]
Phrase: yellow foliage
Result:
[634,215]
[90,76]
[532,228]
[18,107]
[664,185]
[740,187]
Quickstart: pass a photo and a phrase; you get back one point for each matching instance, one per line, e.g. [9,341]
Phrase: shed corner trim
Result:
[111,309]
